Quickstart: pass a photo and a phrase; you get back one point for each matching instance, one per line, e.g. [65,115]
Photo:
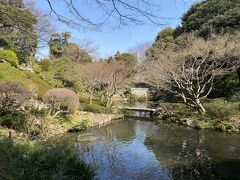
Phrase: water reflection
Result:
[133,149]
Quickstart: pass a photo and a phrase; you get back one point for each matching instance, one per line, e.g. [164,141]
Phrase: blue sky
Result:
[110,41]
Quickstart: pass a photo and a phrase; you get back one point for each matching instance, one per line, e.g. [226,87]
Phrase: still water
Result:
[136,149]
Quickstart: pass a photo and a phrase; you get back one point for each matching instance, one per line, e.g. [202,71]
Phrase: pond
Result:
[137,149]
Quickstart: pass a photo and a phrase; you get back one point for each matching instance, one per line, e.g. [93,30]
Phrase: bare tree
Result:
[108,77]
[139,51]
[114,78]
[90,47]
[115,13]
[44,27]
[12,96]
[91,75]
[190,71]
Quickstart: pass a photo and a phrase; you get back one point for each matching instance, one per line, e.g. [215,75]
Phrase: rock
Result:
[237,131]
[220,127]
[189,122]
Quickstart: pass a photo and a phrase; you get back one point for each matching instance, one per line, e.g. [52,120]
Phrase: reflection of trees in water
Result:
[191,154]
[103,154]
[182,152]
[166,143]
[193,162]
[188,154]
[122,131]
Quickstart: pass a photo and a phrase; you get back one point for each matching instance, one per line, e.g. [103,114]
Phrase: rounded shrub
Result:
[12,96]
[61,99]
[9,56]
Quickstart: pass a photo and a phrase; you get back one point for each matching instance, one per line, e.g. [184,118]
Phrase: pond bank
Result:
[78,122]
[92,121]
[232,126]
[223,117]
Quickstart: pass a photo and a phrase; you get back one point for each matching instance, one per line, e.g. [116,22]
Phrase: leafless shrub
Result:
[60,98]
[12,96]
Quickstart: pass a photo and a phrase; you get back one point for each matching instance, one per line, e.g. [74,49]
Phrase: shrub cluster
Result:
[45,64]
[9,56]
[12,96]
[61,99]
[37,68]
[219,112]
[25,161]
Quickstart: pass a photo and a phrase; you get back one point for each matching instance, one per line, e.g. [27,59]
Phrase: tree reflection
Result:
[191,154]
[122,132]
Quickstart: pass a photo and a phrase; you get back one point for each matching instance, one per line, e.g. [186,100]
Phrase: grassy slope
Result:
[66,68]
[29,80]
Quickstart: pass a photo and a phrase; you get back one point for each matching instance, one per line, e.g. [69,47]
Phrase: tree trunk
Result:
[201,109]
[102,98]
[91,98]
[238,72]
[109,102]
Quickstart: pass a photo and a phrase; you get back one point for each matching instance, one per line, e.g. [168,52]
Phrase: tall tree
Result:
[17,28]
[65,38]
[211,16]
[139,51]
[76,54]
[127,58]
[163,41]
[58,42]
[43,27]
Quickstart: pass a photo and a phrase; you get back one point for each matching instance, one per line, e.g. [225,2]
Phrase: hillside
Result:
[63,73]
[29,80]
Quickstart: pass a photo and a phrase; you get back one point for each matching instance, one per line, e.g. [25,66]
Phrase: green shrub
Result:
[45,64]
[30,161]
[96,108]
[37,68]
[15,121]
[9,56]
[235,97]
[83,99]
[81,126]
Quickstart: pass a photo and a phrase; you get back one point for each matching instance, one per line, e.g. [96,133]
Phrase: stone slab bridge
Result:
[141,110]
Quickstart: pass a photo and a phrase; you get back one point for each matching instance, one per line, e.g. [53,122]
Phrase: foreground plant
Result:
[31,161]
